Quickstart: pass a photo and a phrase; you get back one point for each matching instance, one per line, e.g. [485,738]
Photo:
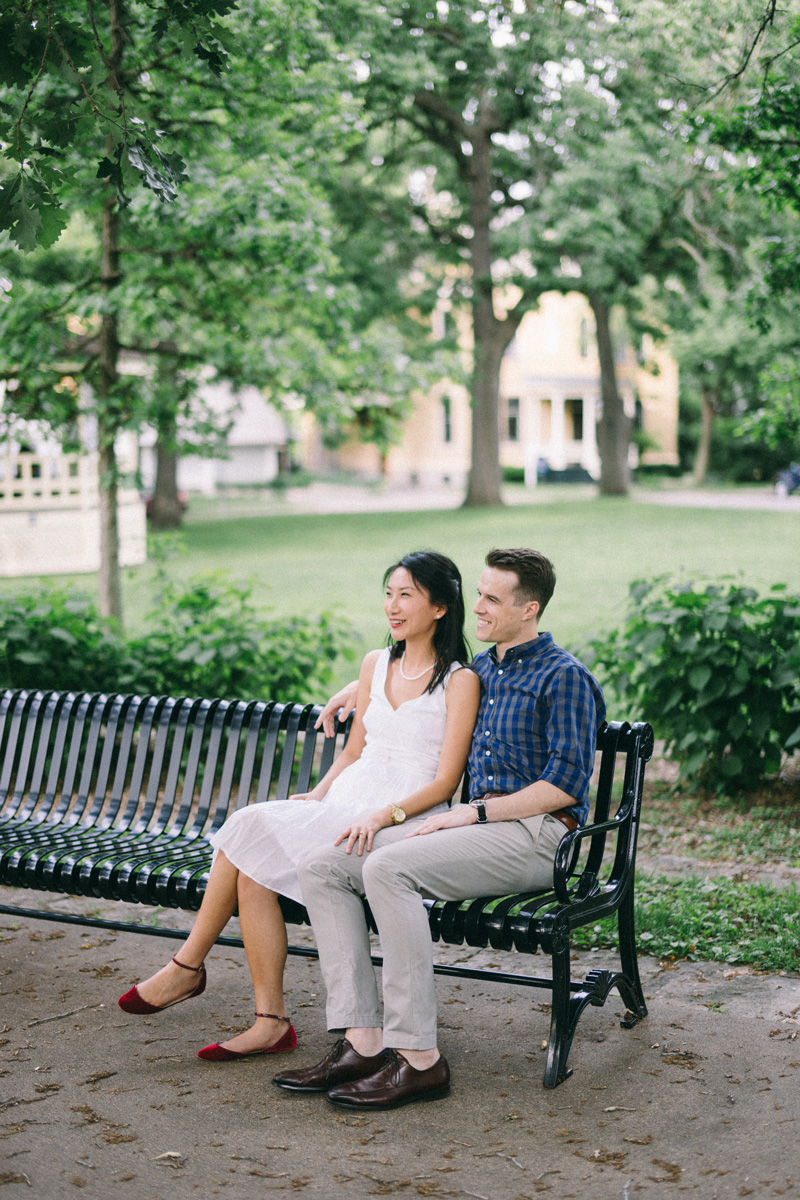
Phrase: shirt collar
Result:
[524,650]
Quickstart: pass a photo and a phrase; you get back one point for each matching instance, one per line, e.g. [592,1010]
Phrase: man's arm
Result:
[539,797]
[571,733]
[345,700]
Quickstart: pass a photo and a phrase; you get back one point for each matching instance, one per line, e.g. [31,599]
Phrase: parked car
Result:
[788,481]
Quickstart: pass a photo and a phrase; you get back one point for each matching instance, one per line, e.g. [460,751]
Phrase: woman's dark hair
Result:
[441,579]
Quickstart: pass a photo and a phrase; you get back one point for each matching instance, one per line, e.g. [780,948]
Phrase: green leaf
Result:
[699,677]
[31,658]
[28,221]
[64,635]
[731,765]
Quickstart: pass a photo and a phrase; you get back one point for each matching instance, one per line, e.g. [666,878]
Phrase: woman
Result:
[408,746]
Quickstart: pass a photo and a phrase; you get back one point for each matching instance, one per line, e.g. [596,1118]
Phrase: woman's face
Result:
[408,607]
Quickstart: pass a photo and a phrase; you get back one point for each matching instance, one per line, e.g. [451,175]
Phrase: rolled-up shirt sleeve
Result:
[571,731]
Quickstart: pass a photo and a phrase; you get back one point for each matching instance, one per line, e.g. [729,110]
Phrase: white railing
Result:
[44,481]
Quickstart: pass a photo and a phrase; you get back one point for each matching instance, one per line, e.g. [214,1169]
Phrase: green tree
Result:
[453,99]
[757,117]
[237,273]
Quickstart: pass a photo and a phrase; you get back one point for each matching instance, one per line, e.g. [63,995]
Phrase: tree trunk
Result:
[491,336]
[706,429]
[107,423]
[108,375]
[165,509]
[614,427]
[490,343]
[110,586]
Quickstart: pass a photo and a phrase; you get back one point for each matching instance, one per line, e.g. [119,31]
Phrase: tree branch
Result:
[767,20]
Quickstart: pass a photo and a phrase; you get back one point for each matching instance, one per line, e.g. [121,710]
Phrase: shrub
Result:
[55,638]
[205,638]
[715,668]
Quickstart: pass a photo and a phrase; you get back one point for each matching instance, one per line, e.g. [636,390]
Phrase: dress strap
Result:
[378,685]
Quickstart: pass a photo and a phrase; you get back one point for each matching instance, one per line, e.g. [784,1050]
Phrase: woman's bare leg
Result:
[264,936]
[217,908]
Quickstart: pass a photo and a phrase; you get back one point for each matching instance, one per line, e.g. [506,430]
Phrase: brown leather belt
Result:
[562,814]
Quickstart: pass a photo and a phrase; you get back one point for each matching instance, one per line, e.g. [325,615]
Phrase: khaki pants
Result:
[494,859]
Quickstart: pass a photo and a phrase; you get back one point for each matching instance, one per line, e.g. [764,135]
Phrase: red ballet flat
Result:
[217,1053]
[133,1003]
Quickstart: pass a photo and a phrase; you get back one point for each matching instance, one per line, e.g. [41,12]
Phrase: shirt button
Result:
[491,701]
[490,776]
[499,672]
[487,733]
[488,754]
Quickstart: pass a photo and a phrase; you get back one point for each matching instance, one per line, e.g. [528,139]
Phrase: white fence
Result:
[50,519]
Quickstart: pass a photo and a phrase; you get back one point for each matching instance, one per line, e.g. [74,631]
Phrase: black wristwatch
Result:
[480,809]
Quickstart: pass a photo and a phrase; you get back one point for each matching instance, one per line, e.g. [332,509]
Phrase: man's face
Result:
[501,617]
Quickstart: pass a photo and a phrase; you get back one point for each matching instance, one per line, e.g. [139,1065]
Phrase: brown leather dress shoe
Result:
[394,1084]
[340,1065]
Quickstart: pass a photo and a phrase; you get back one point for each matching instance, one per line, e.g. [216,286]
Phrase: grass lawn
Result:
[735,914]
[309,563]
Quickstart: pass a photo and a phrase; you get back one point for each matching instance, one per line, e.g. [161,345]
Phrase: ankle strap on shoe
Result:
[184,965]
[274,1017]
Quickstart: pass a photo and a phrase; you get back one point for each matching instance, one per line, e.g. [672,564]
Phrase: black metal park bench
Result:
[114,796]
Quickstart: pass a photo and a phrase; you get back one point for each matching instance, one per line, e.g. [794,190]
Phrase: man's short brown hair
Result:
[535,574]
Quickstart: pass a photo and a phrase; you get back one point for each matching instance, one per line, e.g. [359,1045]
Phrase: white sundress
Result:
[400,755]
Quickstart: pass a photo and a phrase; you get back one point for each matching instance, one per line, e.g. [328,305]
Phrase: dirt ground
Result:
[700,1098]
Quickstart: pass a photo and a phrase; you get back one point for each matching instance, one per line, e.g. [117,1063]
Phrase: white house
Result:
[258,438]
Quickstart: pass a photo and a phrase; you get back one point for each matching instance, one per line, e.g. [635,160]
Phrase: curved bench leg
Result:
[563,1014]
[633,995]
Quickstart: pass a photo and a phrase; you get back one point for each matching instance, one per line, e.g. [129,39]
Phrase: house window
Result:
[442,324]
[512,419]
[573,412]
[447,420]
[583,338]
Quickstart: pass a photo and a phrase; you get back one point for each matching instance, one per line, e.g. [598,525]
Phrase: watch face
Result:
[398,814]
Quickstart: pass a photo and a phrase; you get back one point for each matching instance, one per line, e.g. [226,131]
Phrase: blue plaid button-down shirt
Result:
[538,719]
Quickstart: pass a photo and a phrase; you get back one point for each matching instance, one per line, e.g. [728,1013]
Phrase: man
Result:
[529,769]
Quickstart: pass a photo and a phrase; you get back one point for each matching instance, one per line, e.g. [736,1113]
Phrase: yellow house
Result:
[549,406]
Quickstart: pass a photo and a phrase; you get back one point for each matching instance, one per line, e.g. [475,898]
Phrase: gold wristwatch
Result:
[398,814]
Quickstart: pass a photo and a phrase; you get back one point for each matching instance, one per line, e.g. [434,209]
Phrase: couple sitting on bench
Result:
[523,717]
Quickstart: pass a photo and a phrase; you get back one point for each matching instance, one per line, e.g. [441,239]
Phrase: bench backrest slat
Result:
[140,747]
[28,780]
[277,718]
[284,784]
[240,714]
[182,718]
[258,718]
[16,704]
[160,740]
[202,713]
[52,712]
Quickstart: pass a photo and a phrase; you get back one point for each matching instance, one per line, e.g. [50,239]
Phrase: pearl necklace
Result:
[411,678]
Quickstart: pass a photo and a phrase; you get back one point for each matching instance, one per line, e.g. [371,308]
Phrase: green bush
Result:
[204,638]
[207,639]
[54,638]
[715,668]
